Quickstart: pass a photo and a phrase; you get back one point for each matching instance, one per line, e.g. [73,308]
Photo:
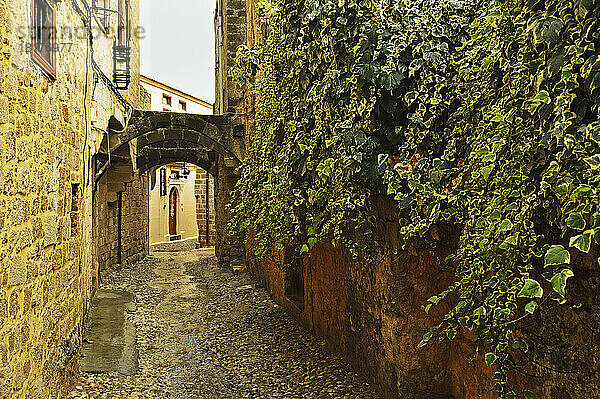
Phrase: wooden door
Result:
[173,212]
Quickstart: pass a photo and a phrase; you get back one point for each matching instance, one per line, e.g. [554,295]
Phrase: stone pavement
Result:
[110,337]
[205,333]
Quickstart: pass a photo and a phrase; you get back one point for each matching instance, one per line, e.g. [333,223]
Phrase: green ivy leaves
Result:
[582,241]
[490,358]
[325,168]
[531,289]
[530,395]
[557,255]
[531,307]
[575,221]
[559,281]
[478,114]
[593,161]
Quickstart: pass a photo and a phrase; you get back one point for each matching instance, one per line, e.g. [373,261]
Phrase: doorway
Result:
[173,212]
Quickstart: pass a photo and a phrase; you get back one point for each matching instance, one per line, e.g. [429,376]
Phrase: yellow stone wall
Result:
[47,249]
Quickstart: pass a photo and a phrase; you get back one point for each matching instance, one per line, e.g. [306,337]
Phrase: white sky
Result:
[178,48]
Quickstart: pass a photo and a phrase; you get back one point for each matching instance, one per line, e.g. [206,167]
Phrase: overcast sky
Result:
[178,48]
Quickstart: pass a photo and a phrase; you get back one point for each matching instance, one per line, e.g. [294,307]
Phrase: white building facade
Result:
[181,194]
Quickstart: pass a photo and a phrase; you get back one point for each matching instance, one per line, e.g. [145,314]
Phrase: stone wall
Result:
[230,27]
[231,32]
[121,217]
[229,249]
[44,285]
[371,313]
[205,207]
[118,183]
[47,247]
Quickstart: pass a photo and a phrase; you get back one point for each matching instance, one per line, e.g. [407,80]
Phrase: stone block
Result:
[14,306]
[50,230]
[4,110]
[5,383]
[3,307]
[17,271]
[10,143]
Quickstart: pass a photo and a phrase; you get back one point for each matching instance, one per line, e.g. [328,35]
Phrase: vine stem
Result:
[524,316]
[553,369]
[586,324]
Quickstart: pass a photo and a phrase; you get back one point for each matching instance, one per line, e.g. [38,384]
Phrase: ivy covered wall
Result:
[473,114]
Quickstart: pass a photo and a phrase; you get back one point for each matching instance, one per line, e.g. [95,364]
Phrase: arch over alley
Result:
[215,143]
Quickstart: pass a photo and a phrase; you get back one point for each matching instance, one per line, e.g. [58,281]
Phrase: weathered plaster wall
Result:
[567,341]
[371,312]
[187,226]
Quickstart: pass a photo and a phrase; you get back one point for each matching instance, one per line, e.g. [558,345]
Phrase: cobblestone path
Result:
[205,333]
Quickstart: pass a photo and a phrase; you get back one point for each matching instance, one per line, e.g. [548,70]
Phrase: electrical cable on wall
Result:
[90,59]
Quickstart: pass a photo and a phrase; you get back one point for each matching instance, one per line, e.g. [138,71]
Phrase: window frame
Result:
[167,100]
[47,66]
[182,105]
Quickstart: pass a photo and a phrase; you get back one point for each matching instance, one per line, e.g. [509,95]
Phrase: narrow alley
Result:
[322,199]
[203,332]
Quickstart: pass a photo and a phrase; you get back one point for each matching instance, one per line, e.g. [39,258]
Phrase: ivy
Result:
[475,113]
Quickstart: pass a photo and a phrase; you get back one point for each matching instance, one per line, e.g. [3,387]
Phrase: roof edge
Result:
[160,85]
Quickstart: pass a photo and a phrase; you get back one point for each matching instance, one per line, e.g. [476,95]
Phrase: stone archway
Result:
[212,142]
[213,132]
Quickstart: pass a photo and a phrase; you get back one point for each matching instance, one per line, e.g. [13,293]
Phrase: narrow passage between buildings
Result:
[203,332]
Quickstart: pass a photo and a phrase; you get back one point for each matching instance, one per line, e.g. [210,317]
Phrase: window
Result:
[166,100]
[43,46]
[123,28]
[182,105]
